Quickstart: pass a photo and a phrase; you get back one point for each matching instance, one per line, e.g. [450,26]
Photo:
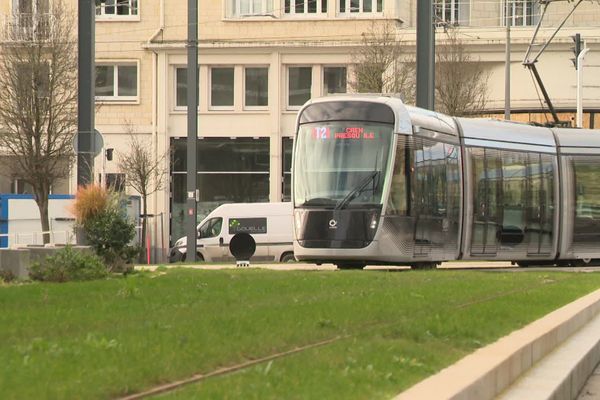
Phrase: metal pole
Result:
[507,71]
[580,59]
[425,59]
[192,125]
[85,94]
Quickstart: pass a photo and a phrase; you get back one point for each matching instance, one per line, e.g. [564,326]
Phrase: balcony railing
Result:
[26,27]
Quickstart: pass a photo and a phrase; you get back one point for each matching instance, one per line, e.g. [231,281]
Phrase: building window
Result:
[116,82]
[243,8]
[521,12]
[116,8]
[181,87]
[115,182]
[334,80]
[360,6]
[305,7]
[452,12]
[299,85]
[244,178]
[221,87]
[256,87]
[287,144]
[19,186]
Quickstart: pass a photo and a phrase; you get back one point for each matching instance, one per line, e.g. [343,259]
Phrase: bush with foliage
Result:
[100,213]
[69,265]
[109,233]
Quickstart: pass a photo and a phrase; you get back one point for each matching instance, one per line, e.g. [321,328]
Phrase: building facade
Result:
[260,60]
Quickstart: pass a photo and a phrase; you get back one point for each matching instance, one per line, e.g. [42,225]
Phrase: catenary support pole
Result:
[85,93]
[580,59]
[425,55]
[192,131]
[507,72]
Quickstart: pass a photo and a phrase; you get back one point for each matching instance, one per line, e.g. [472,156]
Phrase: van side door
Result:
[209,236]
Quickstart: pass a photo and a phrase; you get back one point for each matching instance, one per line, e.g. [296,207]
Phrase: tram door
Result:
[487,196]
[430,186]
[539,204]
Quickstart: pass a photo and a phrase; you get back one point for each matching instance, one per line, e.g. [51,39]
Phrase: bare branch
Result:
[382,65]
[461,84]
[38,108]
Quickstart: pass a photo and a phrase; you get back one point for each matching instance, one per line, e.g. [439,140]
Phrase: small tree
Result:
[382,65]
[38,109]
[461,83]
[144,172]
[101,214]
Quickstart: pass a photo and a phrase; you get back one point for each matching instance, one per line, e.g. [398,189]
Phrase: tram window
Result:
[587,193]
[399,200]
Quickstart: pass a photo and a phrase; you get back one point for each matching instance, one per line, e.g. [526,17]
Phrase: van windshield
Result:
[210,228]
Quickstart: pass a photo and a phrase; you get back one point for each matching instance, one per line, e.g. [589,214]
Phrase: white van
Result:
[270,224]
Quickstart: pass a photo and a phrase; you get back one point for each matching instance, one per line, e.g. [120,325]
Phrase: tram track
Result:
[374,325]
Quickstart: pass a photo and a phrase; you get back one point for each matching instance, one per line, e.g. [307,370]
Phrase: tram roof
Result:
[581,141]
[405,116]
[487,132]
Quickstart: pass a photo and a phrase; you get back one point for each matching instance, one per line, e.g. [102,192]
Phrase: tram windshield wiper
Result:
[357,190]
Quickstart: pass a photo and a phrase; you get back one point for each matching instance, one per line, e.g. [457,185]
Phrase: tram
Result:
[375,181]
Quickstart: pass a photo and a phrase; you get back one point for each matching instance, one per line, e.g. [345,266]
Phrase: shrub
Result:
[109,233]
[90,201]
[68,265]
[6,276]
[99,213]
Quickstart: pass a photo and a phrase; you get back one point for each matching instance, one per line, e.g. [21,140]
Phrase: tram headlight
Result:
[374,221]
[298,222]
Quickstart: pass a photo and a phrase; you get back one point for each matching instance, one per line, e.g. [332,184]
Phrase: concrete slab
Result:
[563,372]
[490,370]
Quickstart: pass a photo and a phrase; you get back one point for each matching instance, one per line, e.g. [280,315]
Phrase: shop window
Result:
[243,178]
[287,144]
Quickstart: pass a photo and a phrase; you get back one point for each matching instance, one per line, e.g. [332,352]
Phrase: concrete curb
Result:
[490,370]
[563,373]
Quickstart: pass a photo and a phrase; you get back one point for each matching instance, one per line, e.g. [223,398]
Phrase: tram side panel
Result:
[511,204]
[581,211]
[422,219]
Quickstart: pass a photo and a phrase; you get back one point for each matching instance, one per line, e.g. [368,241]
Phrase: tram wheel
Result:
[351,265]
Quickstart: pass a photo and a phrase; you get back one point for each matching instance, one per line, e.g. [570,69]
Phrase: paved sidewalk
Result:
[591,390]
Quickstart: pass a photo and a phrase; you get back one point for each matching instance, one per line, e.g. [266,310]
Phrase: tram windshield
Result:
[341,164]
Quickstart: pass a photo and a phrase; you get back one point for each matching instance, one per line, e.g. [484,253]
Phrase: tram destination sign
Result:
[351,133]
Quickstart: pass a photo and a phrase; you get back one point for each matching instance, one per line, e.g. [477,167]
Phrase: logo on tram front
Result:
[332,224]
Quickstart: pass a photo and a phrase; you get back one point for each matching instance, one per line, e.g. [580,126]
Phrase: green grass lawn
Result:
[108,338]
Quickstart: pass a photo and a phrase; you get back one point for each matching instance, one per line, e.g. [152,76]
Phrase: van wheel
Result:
[199,257]
[288,258]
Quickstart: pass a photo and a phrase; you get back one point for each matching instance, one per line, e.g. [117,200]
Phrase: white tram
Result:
[376,181]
